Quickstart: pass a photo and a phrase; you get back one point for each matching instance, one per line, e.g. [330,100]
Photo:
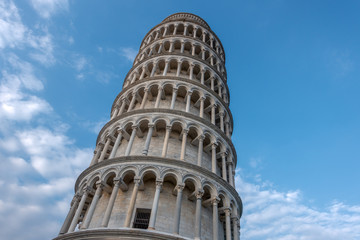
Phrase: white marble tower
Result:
[163,166]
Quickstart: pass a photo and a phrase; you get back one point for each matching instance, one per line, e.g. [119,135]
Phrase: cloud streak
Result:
[270,214]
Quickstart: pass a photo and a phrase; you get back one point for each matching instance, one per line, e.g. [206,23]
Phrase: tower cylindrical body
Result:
[163,165]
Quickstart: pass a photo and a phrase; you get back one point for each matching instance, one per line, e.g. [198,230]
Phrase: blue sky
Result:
[293,74]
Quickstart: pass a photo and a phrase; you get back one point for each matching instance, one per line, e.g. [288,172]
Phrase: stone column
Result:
[191,68]
[75,220]
[160,47]
[188,100]
[142,73]
[111,202]
[70,215]
[194,32]
[132,202]
[155,205]
[227,224]
[201,113]
[211,42]
[132,102]
[158,98]
[193,50]
[231,180]
[131,141]
[104,151]
[116,144]
[96,154]
[183,144]
[222,114]
[204,36]
[203,54]
[179,189]
[133,78]
[165,31]
[213,157]
[148,139]
[202,76]
[220,90]
[173,99]
[213,114]
[143,102]
[200,149]
[227,130]
[182,46]
[154,69]
[214,203]
[198,195]
[123,105]
[116,110]
[171,48]
[185,29]
[86,223]
[175,28]
[166,141]
[178,70]
[223,164]
[235,228]
[166,67]
[212,83]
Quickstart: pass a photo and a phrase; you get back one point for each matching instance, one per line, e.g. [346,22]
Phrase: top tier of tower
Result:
[190,27]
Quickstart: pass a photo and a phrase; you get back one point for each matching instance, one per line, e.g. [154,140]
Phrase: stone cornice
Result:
[196,83]
[152,159]
[187,16]
[164,23]
[175,112]
[119,234]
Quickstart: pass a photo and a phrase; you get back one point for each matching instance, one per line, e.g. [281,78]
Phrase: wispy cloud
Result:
[270,214]
[47,8]
[128,53]
[14,34]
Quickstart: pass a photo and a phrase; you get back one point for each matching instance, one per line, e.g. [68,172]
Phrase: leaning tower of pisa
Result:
[163,166]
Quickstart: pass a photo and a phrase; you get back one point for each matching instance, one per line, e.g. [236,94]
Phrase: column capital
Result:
[214,144]
[203,70]
[175,89]
[117,181]
[227,211]
[159,183]
[201,137]
[137,181]
[199,194]
[222,113]
[151,125]
[134,127]
[224,154]
[185,131]
[168,128]
[100,184]
[180,187]
[229,163]
[215,200]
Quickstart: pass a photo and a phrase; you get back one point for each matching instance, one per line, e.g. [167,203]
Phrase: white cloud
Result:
[270,214]
[12,31]
[15,103]
[128,53]
[14,34]
[47,8]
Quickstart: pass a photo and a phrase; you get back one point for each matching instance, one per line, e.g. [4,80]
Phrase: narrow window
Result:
[142,218]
